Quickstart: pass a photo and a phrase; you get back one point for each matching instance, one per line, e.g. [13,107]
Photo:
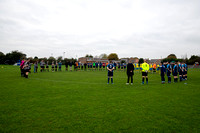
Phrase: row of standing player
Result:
[176,69]
[180,69]
[54,66]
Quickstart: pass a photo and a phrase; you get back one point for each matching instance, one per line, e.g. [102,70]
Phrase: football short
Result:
[144,73]
[42,66]
[175,74]
[47,66]
[168,74]
[180,72]
[185,72]
[110,73]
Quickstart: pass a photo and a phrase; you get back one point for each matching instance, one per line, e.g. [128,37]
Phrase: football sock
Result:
[108,80]
[111,80]
[147,80]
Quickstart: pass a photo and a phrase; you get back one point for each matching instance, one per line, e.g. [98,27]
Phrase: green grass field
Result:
[83,102]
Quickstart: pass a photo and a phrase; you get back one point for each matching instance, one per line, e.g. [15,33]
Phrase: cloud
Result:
[143,28]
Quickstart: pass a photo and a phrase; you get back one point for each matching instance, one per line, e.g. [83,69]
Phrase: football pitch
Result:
[82,101]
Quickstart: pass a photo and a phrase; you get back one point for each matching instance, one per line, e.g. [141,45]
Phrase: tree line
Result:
[14,56]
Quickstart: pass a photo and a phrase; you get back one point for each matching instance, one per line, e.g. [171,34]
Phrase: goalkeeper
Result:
[145,69]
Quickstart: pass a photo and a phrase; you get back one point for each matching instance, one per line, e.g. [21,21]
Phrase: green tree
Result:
[51,59]
[113,56]
[193,59]
[59,58]
[173,56]
[90,56]
[2,58]
[13,57]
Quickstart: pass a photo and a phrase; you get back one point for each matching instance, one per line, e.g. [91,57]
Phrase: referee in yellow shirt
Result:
[145,69]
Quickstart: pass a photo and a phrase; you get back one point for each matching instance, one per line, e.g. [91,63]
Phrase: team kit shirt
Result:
[145,67]
[162,70]
[169,68]
[110,66]
[175,70]
[180,68]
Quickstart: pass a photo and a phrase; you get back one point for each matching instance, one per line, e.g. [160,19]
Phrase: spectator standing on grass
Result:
[60,65]
[145,69]
[110,68]
[130,72]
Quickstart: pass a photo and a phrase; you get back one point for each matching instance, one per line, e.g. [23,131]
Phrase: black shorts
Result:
[175,74]
[144,73]
[26,70]
[185,72]
[110,73]
[168,74]
[42,66]
[180,72]
[47,66]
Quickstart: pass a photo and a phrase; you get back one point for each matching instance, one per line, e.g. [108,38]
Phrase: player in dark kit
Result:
[169,70]
[186,69]
[180,71]
[175,72]
[183,71]
[162,72]
[26,68]
[130,73]
[110,68]
[47,66]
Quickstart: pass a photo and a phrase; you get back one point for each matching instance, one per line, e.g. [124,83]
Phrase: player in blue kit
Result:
[162,72]
[175,72]
[180,71]
[169,70]
[185,71]
[110,68]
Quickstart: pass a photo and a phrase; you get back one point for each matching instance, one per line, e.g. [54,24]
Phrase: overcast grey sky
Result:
[130,28]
